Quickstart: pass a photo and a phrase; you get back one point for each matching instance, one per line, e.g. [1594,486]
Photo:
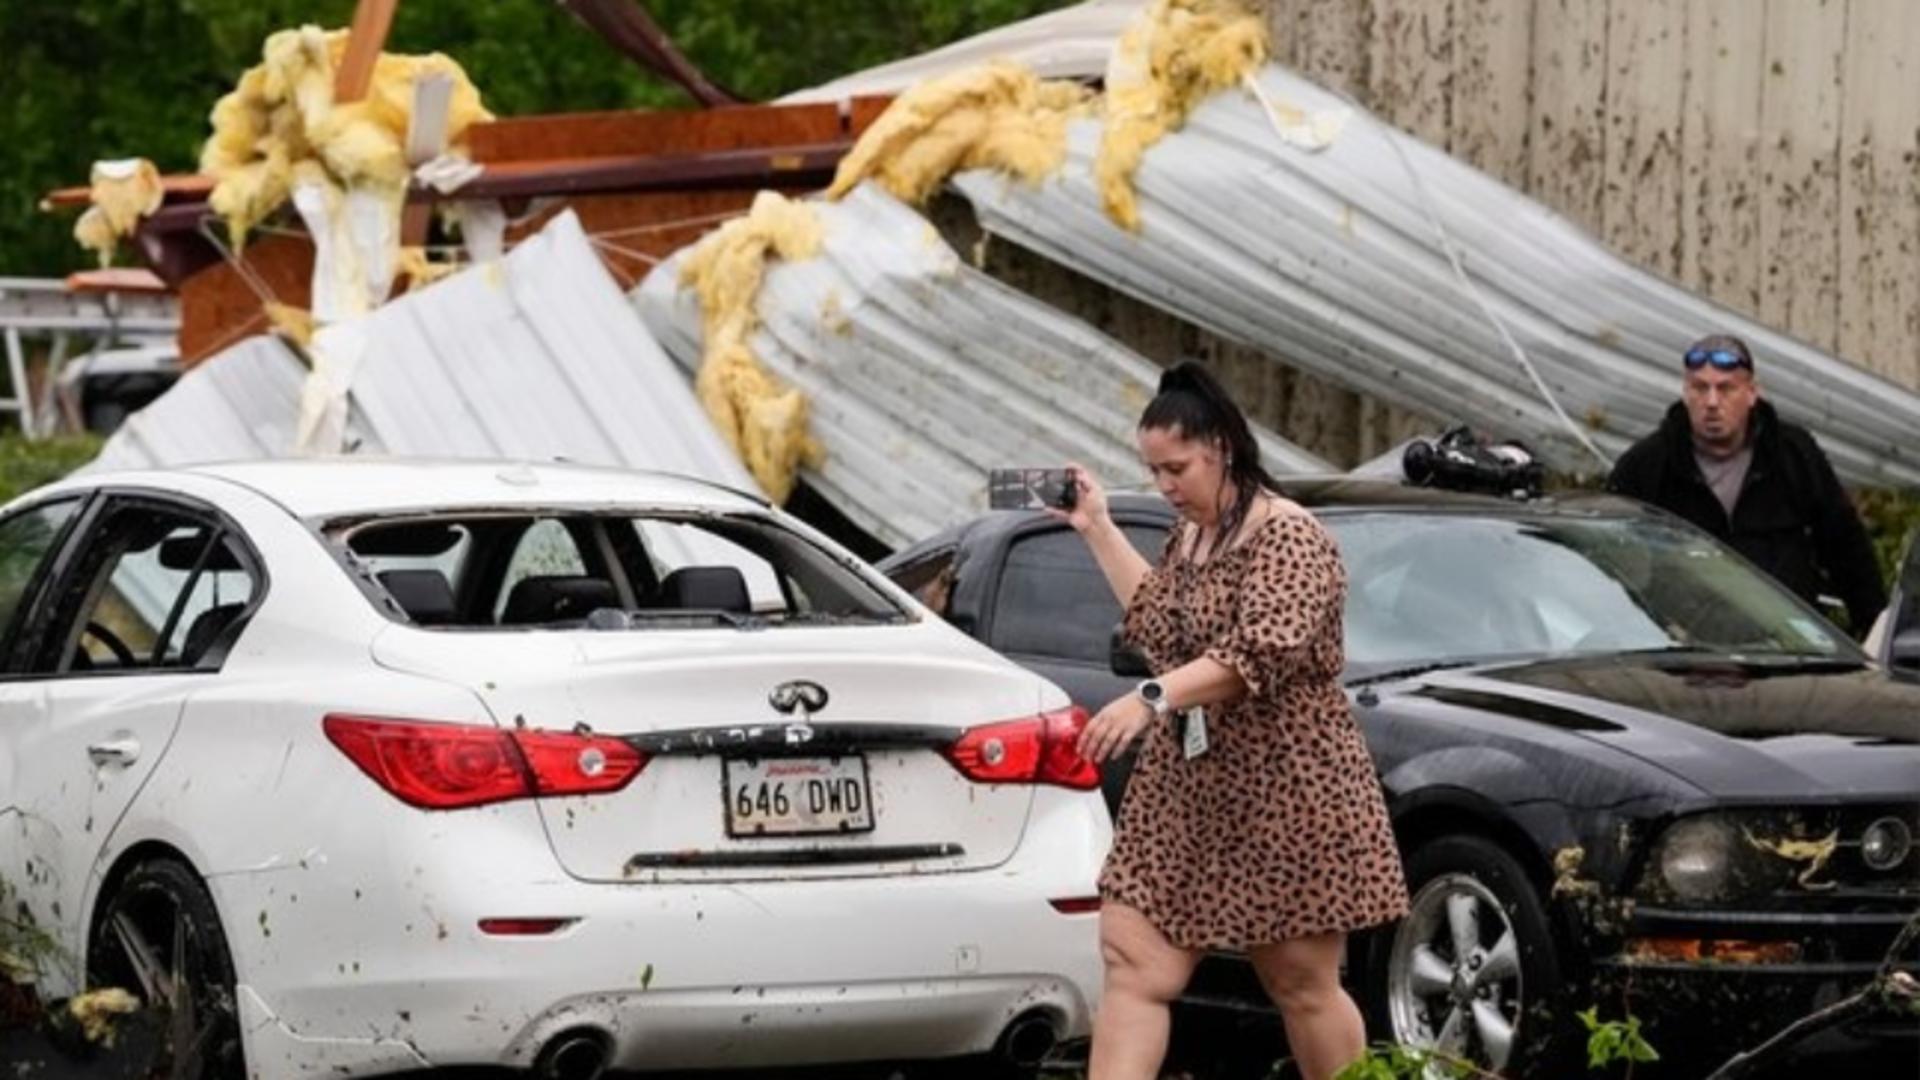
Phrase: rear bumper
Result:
[677,975]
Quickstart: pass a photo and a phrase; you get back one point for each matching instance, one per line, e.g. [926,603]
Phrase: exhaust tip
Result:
[1029,1041]
[576,1054]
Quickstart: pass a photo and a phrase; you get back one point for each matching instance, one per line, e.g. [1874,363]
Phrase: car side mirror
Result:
[1124,659]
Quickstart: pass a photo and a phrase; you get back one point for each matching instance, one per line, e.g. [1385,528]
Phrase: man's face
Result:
[1719,403]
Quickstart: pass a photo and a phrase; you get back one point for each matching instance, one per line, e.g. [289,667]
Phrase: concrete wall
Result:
[1763,152]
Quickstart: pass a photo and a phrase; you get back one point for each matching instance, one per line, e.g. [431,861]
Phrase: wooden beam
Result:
[371,21]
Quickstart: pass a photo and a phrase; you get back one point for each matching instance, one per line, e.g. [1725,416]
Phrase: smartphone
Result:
[1030,489]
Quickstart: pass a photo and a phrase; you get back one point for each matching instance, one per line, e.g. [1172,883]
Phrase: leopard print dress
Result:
[1278,830]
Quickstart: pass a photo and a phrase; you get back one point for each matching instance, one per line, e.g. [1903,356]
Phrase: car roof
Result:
[353,486]
[1318,493]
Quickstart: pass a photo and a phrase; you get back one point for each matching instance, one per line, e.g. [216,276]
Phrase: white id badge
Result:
[1193,737]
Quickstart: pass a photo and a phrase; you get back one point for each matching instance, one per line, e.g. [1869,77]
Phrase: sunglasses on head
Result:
[1724,359]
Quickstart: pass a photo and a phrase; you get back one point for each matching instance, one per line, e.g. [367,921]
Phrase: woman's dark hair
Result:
[1192,402]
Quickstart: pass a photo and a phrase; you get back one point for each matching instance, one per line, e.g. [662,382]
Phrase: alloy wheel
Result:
[1453,980]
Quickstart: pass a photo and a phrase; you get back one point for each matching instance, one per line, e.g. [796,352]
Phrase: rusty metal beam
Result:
[626,26]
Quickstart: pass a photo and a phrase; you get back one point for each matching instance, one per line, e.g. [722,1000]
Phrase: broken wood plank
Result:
[372,19]
[1720,142]
[1800,175]
[1879,220]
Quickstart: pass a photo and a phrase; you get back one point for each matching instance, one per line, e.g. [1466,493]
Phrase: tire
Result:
[159,937]
[1504,1005]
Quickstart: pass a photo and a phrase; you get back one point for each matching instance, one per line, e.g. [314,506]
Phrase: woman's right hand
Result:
[1089,503]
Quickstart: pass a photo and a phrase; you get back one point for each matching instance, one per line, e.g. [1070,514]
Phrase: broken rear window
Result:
[606,571]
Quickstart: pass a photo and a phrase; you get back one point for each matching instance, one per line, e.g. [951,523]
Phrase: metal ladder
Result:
[45,307]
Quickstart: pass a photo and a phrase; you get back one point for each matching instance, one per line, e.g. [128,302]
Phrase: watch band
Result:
[1154,693]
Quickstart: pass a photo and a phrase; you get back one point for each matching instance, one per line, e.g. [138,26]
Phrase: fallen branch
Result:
[1890,988]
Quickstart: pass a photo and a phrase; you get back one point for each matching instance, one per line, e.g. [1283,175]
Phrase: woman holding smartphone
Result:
[1253,821]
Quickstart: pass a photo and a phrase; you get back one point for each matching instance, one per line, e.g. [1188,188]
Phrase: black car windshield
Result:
[1431,588]
[606,570]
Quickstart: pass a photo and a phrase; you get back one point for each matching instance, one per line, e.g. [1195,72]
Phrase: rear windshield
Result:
[602,570]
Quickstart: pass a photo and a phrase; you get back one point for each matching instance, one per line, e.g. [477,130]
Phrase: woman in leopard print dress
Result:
[1258,824]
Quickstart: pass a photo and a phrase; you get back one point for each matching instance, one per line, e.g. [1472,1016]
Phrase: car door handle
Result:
[115,752]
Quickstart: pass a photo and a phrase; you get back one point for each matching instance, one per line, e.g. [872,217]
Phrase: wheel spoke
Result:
[1496,1033]
[1452,1038]
[1430,975]
[1503,961]
[1463,921]
[155,984]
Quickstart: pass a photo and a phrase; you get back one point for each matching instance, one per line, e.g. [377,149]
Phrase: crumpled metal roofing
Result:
[923,373]
[238,405]
[1071,43]
[1334,261]
[536,356]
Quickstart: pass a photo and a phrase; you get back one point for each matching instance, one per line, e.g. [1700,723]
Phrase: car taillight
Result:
[1036,750]
[439,766]
[568,764]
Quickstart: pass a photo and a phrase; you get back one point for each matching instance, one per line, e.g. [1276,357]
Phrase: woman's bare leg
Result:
[1145,973]
[1324,1028]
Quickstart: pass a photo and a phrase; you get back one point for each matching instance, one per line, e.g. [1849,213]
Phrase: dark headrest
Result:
[206,630]
[711,588]
[424,595]
[557,598]
[182,552]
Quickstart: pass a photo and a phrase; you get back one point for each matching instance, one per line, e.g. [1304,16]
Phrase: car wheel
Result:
[159,938]
[1472,970]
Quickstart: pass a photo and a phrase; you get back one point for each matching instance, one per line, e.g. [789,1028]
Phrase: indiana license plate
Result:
[805,796]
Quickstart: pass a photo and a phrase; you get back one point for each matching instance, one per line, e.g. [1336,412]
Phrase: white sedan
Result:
[366,766]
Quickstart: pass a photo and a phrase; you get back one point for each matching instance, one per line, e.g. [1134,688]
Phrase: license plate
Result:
[801,796]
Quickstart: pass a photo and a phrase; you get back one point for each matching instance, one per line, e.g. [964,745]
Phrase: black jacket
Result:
[1792,519]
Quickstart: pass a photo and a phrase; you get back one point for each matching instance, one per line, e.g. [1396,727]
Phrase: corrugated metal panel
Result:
[240,405]
[923,373]
[538,356]
[1333,261]
[1071,43]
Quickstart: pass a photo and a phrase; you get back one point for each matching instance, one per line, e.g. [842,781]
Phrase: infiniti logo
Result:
[798,696]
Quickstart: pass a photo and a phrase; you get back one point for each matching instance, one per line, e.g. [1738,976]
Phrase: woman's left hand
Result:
[1114,728]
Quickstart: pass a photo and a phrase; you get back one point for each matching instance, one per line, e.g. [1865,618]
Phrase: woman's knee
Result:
[1140,962]
[1300,977]
[1143,978]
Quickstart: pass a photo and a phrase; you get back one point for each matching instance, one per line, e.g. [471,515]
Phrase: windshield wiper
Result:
[1408,672]
[1734,654]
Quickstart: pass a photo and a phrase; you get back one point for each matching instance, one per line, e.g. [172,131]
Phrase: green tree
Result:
[91,79]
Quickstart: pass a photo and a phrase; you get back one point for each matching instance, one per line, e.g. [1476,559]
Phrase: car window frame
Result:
[605,556]
[102,503]
[20,634]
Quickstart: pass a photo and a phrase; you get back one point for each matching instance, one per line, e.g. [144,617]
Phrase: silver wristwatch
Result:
[1154,693]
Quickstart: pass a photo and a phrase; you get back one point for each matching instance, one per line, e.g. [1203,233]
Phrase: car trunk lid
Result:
[800,752]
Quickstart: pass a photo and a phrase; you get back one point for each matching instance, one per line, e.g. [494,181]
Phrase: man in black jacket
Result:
[1724,460]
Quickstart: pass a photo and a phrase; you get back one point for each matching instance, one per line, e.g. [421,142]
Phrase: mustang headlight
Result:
[1886,843]
[1696,858]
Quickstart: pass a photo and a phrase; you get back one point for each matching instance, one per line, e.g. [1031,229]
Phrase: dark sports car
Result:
[1625,768]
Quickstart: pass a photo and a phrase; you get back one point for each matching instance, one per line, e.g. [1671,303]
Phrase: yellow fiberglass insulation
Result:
[282,114]
[1175,56]
[765,422]
[1000,116]
[123,192]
